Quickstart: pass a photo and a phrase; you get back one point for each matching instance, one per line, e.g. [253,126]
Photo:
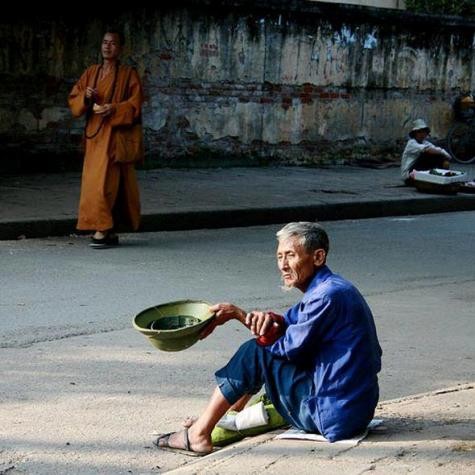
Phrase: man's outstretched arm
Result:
[258,322]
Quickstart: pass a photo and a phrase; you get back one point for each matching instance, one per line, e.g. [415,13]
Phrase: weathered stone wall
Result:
[298,82]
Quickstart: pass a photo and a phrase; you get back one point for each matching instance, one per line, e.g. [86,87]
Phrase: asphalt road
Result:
[416,272]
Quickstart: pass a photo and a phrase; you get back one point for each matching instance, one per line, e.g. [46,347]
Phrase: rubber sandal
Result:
[185,451]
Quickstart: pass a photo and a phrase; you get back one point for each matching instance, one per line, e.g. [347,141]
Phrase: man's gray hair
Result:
[311,235]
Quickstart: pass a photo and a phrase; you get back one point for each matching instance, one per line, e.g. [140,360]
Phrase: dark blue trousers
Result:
[288,386]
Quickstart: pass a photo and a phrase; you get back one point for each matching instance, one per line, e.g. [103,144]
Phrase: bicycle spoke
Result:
[461,143]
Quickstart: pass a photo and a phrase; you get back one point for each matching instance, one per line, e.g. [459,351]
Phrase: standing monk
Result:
[110,95]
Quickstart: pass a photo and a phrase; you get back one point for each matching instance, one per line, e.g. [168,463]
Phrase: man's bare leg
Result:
[238,406]
[199,433]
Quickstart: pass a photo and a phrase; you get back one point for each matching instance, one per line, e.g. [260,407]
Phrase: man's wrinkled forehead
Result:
[292,243]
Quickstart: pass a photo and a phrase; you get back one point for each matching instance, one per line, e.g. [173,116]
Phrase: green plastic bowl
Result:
[174,326]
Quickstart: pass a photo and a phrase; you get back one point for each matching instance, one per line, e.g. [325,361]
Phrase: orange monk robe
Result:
[109,191]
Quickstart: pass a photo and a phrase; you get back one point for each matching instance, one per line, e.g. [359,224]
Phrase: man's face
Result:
[111,46]
[421,135]
[296,265]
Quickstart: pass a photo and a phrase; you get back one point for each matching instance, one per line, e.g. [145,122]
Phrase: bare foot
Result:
[188,421]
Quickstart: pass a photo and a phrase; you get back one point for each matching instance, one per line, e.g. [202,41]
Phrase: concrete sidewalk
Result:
[63,414]
[424,434]
[177,199]
[87,405]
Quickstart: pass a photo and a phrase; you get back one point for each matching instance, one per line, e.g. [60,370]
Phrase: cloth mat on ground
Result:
[302,435]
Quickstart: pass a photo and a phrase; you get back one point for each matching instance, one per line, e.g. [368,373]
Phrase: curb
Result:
[413,397]
[238,217]
[37,228]
[326,212]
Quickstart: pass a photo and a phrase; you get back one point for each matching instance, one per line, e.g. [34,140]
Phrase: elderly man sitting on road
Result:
[320,372]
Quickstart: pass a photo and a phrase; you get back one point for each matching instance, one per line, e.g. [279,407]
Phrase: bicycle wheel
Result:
[461,142]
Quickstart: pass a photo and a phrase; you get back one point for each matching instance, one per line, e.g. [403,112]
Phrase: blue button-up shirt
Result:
[331,330]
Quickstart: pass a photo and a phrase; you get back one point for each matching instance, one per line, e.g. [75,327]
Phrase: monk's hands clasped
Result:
[104,110]
[91,93]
